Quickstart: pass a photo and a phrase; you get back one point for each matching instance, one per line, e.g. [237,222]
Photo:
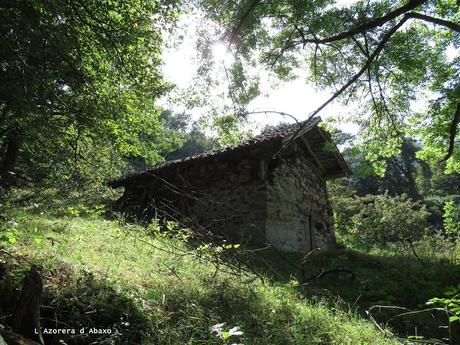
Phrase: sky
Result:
[296,97]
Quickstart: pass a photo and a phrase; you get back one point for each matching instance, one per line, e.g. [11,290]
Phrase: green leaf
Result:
[38,240]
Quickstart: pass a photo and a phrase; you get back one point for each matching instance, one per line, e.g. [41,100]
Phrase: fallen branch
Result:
[18,259]
[407,312]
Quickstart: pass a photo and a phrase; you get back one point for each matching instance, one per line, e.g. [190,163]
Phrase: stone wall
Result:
[298,209]
[246,198]
[226,196]
[233,202]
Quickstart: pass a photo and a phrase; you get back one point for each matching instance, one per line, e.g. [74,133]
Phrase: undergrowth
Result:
[108,274]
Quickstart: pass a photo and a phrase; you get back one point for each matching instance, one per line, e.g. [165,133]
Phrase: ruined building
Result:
[261,191]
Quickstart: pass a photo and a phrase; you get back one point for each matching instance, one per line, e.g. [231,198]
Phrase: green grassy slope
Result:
[108,274]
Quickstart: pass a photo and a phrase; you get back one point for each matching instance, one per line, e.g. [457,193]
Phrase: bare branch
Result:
[266,112]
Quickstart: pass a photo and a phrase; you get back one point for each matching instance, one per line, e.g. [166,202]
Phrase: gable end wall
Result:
[299,215]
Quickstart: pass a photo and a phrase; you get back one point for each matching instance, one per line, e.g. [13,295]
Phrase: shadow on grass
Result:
[359,281]
[376,279]
[81,300]
[89,310]
[176,313]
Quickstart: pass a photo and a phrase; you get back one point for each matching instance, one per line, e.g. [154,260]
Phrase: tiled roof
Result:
[278,133]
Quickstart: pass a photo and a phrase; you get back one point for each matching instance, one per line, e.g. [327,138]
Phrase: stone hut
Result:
[262,191]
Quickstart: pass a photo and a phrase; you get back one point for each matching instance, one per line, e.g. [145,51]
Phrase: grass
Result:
[387,278]
[374,278]
[157,290]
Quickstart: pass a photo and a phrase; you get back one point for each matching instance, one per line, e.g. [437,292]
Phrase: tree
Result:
[386,54]
[195,140]
[377,220]
[402,173]
[79,83]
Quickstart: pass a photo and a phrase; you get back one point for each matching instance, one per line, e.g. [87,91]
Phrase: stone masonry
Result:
[252,193]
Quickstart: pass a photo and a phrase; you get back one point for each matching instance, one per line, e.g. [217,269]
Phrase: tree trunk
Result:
[26,318]
[408,157]
[10,157]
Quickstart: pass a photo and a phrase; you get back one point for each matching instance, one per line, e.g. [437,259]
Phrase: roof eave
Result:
[343,164]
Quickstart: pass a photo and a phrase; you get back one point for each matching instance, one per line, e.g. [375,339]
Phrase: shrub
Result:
[377,220]
[450,220]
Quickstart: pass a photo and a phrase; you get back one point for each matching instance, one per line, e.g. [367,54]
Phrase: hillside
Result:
[154,290]
[290,172]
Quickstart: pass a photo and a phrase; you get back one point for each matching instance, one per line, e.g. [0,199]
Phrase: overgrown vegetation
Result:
[377,220]
[110,274]
[79,84]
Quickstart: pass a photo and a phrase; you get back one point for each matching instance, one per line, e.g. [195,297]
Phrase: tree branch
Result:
[369,61]
[363,69]
[412,4]
[438,21]
[453,133]
[266,112]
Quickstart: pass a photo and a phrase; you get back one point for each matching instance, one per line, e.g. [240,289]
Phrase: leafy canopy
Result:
[79,83]
[386,55]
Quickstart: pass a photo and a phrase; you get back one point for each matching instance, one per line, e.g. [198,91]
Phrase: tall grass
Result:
[155,290]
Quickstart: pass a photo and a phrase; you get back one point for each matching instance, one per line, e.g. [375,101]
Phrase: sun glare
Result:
[219,51]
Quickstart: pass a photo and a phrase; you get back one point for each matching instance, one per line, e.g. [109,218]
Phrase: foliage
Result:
[437,183]
[385,55]
[399,176]
[229,132]
[451,220]
[377,220]
[80,81]
[404,173]
[451,302]
[194,137]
